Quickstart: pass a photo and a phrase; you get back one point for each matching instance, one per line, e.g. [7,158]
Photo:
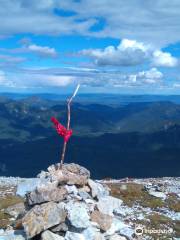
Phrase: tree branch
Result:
[68,122]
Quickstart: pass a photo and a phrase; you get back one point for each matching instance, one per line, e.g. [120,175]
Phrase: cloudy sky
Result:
[112,46]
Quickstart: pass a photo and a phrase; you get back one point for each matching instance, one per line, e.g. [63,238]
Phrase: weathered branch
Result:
[68,122]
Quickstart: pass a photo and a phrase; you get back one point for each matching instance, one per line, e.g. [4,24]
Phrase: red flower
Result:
[61,130]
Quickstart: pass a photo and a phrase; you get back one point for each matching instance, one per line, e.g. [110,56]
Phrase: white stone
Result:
[74,236]
[158,194]
[77,214]
[48,235]
[120,227]
[28,185]
[97,189]
[72,189]
[12,235]
[108,205]
[117,237]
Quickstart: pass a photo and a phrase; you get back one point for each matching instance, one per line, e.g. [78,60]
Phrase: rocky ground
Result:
[67,204]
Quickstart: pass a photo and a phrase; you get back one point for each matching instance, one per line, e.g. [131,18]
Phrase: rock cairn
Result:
[68,205]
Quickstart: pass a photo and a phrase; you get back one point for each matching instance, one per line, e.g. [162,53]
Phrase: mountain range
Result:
[115,137]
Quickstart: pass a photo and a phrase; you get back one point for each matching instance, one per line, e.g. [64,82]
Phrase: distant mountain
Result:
[29,119]
[140,139]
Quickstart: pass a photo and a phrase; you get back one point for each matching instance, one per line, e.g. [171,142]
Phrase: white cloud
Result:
[163,59]
[50,78]
[129,53]
[156,22]
[152,76]
[42,50]
[147,21]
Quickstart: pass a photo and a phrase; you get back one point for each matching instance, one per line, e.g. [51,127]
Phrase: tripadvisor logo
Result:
[139,230]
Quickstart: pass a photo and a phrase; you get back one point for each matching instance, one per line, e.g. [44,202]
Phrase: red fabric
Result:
[61,130]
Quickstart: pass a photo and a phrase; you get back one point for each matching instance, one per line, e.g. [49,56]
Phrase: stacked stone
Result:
[71,206]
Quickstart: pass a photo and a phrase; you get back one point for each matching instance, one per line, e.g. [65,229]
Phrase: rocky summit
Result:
[64,203]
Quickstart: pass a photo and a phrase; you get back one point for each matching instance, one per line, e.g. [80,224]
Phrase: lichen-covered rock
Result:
[46,194]
[104,221]
[48,235]
[77,214]
[42,217]
[109,204]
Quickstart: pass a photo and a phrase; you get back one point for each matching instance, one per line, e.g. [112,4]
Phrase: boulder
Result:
[77,214]
[72,174]
[42,217]
[28,185]
[97,190]
[48,235]
[104,221]
[108,204]
[46,194]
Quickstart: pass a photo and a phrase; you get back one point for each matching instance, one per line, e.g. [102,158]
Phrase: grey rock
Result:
[88,234]
[72,174]
[46,194]
[74,236]
[15,210]
[12,235]
[28,185]
[84,195]
[119,226]
[97,189]
[77,215]
[72,189]
[48,235]
[62,227]
[117,237]
[42,217]
[109,204]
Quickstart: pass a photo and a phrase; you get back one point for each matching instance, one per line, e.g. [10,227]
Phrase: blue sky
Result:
[106,45]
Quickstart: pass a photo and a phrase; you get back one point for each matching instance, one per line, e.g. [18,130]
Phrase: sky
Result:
[106,46]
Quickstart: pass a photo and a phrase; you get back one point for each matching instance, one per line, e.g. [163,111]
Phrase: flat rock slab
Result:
[42,217]
[28,185]
[72,174]
[47,194]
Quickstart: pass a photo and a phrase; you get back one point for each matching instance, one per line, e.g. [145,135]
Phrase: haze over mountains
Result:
[114,135]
